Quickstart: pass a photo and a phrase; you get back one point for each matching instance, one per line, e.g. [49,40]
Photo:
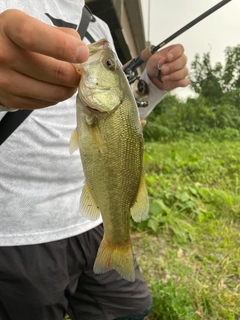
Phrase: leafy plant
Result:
[171,302]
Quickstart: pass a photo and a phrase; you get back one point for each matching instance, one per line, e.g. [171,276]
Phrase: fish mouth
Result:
[94,110]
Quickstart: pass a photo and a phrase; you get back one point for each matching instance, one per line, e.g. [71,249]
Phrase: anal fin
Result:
[140,208]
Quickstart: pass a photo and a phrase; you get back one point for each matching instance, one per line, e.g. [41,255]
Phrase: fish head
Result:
[101,88]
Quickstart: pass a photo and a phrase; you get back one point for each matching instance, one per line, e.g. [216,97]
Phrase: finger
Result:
[175,76]
[31,88]
[70,31]
[26,103]
[157,61]
[170,53]
[39,66]
[34,35]
[180,83]
[177,64]
[45,69]
[174,52]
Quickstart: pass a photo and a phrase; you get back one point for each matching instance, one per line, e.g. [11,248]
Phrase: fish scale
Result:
[109,136]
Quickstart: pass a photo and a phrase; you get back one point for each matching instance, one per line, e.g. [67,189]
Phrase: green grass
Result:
[189,247]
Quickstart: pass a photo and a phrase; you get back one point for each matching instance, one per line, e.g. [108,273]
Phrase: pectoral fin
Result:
[74,142]
[88,207]
[97,137]
[139,210]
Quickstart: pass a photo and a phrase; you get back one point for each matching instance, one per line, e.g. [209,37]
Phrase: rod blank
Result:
[189,25]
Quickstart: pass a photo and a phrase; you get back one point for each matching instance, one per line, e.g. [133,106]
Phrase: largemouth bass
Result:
[109,136]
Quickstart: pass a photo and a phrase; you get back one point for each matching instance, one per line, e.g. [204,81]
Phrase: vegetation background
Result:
[189,246]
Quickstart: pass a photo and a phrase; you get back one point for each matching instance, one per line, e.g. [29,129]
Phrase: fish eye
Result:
[109,64]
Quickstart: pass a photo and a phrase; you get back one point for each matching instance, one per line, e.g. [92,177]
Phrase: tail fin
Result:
[119,258]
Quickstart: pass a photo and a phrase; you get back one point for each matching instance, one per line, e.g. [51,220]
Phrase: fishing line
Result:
[148,33]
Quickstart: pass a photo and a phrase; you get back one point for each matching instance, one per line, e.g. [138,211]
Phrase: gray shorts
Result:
[43,282]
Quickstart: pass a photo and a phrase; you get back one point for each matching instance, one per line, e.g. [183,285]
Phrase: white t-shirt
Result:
[40,183]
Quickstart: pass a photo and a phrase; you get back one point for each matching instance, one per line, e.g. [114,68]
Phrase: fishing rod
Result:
[130,67]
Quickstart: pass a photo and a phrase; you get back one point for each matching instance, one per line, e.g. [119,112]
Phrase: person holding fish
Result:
[54,259]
